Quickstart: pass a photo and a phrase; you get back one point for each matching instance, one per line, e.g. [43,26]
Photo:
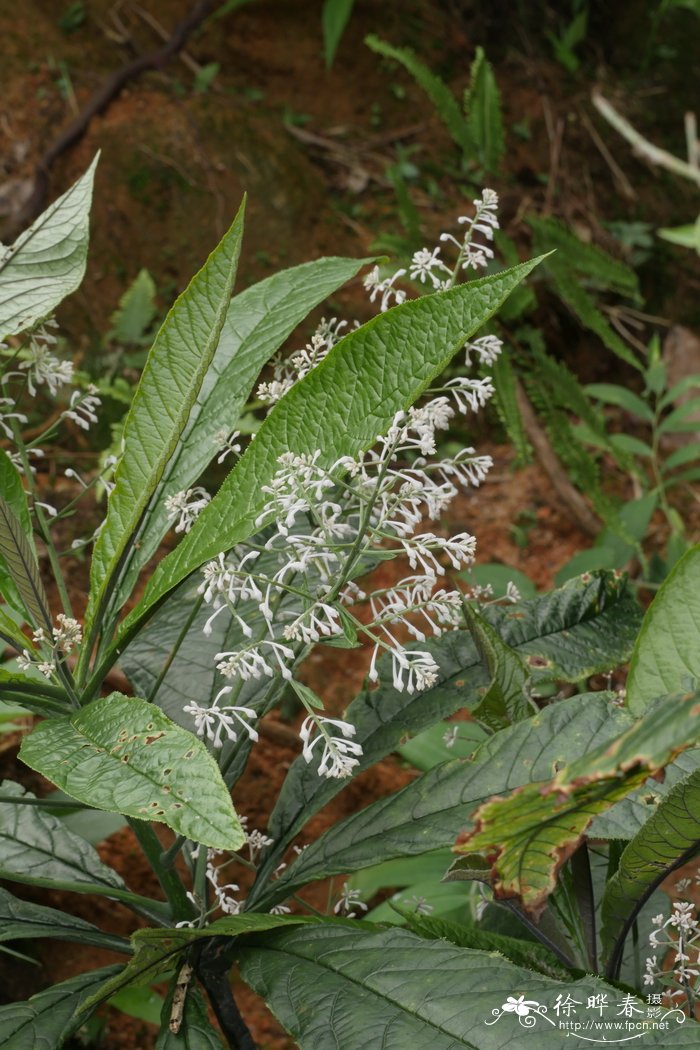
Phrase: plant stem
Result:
[168,878]
[218,988]
[173,652]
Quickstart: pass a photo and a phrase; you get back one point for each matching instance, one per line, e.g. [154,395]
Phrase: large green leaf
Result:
[47,262]
[257,322]
[431,811]
[587,625]
[123,755]
[37,849]
[157,953]
[670,836]
[18,558]
[531,833]
[339,407]
[358,988]
[196,1030]
[667,651]
[170,383]
[21,919]
[46,1020]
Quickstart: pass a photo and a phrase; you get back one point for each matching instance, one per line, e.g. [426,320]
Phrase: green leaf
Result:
[531,833]
[10,630]
[257,322]
[46,1020]
[667,651]
[669,837]
[36,849]
[46,262]
[169,385]
[506,401]
[36,696]
[13,493]
[123,755]
[679,389]
[482,106]
[339,408]
[21,919]
[677,422]
[506,700]
[590,624]
[196,1031]
[685,454]
[136,311]
[629,443]
[402,872]
[612,394]
[586,259]
[141,1003]
[355,988]
[431,811]
[17,552]
[467,935]
[687,236]
[583,306]
[334,18]
[436,89]
[429,748]
[158,952]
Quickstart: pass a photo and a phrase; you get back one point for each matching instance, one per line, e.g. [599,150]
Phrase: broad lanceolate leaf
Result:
[170,383]
[159,952]
[339,407]
[21,919]
[257,322]
[531,833]
[667,651]
[430,812]
[123,755]
[46,1020]
[38,849]
[587,625]
[670,836]
[334,19]
[47,262]
[18,556]
[355,988]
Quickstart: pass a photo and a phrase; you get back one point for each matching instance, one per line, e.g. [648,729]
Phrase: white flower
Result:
[227,444]
[470,394]
[420,905]
[214,722]
[68,634]
[83,407]
[337,752]
[250,663]
[348,900]
[413,670]
[424,264]
[374,284]
[320,620]
[487,348]
[44,367]
[186,506]
[7,431]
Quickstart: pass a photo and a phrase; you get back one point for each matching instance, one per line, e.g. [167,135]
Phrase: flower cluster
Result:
[289,370]
[186,507]
[675,964]
[54,646]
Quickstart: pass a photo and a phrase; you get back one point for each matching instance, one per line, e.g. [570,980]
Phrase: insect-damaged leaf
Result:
[123,755]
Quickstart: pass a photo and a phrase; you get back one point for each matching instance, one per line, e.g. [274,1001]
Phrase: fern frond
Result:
[482,106]
[583,306]
[587,259]
[506,403]
[435,88]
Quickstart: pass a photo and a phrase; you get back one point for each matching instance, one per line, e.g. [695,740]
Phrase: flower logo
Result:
[520,1006]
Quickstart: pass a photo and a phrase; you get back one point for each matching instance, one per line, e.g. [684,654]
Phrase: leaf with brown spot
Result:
[529,834]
